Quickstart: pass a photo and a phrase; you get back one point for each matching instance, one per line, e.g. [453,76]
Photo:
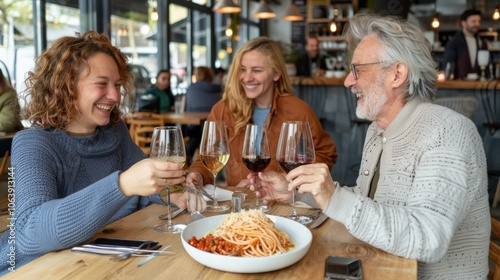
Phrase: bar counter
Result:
[335,108]
[447,84]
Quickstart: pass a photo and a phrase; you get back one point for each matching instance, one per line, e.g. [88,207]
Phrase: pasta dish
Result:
[248,233]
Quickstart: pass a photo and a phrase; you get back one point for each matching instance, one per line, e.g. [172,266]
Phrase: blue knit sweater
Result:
[66,189]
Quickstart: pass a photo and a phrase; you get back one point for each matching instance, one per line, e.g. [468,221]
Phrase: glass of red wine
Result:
[295,148]
[256,156]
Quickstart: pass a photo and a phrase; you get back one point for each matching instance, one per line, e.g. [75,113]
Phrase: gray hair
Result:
[401,42]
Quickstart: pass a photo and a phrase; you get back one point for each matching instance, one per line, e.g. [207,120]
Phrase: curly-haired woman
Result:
[76,168]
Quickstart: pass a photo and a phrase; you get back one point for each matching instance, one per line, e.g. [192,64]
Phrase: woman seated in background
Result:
[258,91]
[77,169]
[201,96]
[9,107]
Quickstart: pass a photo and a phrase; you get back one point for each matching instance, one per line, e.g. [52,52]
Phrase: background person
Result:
[9,107]
[165,99]
[76,167]
[422,189]
[219,76]
[201,96]
[461,50]
[311,63]
[259,91]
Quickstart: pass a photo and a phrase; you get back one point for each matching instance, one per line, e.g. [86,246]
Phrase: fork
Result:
[205,193]
[196,215]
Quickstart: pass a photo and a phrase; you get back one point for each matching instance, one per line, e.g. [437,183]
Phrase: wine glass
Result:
[256,156]
[295,148]
[214,153]
[167,144]
[483,57]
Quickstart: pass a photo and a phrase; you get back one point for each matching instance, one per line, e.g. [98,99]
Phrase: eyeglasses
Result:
[353,66]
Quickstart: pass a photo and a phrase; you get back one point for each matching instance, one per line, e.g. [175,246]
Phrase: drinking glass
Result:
[256,156]
[195,204]
[167,144]
[483,58]
[295,148]
[214,153]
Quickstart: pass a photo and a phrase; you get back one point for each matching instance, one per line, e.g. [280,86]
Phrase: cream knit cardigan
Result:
[431,203]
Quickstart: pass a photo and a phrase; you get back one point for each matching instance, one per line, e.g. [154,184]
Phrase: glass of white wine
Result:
[214,153]
[167,144]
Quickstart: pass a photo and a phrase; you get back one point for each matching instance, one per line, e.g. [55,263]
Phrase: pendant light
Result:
[226,7]
[496,13]
[293,13]
[264,11]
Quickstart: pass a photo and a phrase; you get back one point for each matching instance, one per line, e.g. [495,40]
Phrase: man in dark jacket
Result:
[311,63]
[461,51]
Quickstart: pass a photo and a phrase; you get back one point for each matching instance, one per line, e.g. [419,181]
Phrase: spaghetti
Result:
[248,233]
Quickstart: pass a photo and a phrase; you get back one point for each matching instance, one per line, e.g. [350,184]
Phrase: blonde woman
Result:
[259,91]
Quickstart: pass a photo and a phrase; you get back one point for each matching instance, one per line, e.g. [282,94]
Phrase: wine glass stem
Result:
[215,191]
[257,201]
[169,223]
[294,211]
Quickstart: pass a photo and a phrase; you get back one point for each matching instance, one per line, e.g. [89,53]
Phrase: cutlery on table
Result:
[319,221]
[120,252]
[196,215]
[205,193]
[173,215]
[150,257]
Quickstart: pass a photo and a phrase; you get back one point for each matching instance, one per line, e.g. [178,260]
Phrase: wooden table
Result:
[330,239]
[193,118]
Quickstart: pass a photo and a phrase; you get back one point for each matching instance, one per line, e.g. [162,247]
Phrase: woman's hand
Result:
[313,178]
[194,179]
[148,177]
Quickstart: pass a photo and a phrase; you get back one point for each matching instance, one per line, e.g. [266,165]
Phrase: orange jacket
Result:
[284,108]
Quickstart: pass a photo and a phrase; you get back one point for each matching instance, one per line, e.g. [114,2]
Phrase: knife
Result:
[117,251]
[319,221]
[143,262]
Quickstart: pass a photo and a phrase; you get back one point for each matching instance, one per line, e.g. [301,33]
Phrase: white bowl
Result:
[298,233]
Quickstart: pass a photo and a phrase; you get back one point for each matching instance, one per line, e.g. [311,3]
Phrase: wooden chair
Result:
[142,137]
[357,139]
[5,145]
[494,255]
[143,119]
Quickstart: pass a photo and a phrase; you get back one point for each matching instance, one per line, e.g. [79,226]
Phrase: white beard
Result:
[373,102]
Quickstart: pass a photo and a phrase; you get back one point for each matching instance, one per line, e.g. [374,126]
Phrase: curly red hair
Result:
[52,87]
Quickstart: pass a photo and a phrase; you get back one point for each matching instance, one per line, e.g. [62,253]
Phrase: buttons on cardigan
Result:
[366,173]
[384,140]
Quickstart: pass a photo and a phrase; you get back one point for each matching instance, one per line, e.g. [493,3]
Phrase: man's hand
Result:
[313,178]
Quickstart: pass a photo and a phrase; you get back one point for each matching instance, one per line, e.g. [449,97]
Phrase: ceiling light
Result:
[154,15]
[333,27]
[435,22]
[496,13]
[293,13]
[264,11]
[226,7]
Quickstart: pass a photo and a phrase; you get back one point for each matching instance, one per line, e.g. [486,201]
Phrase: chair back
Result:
[142,137]
[5,145]
[490,98]
[494,254]
[465,105]
[144,119]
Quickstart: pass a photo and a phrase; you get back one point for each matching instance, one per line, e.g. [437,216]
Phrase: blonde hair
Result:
[234,95]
